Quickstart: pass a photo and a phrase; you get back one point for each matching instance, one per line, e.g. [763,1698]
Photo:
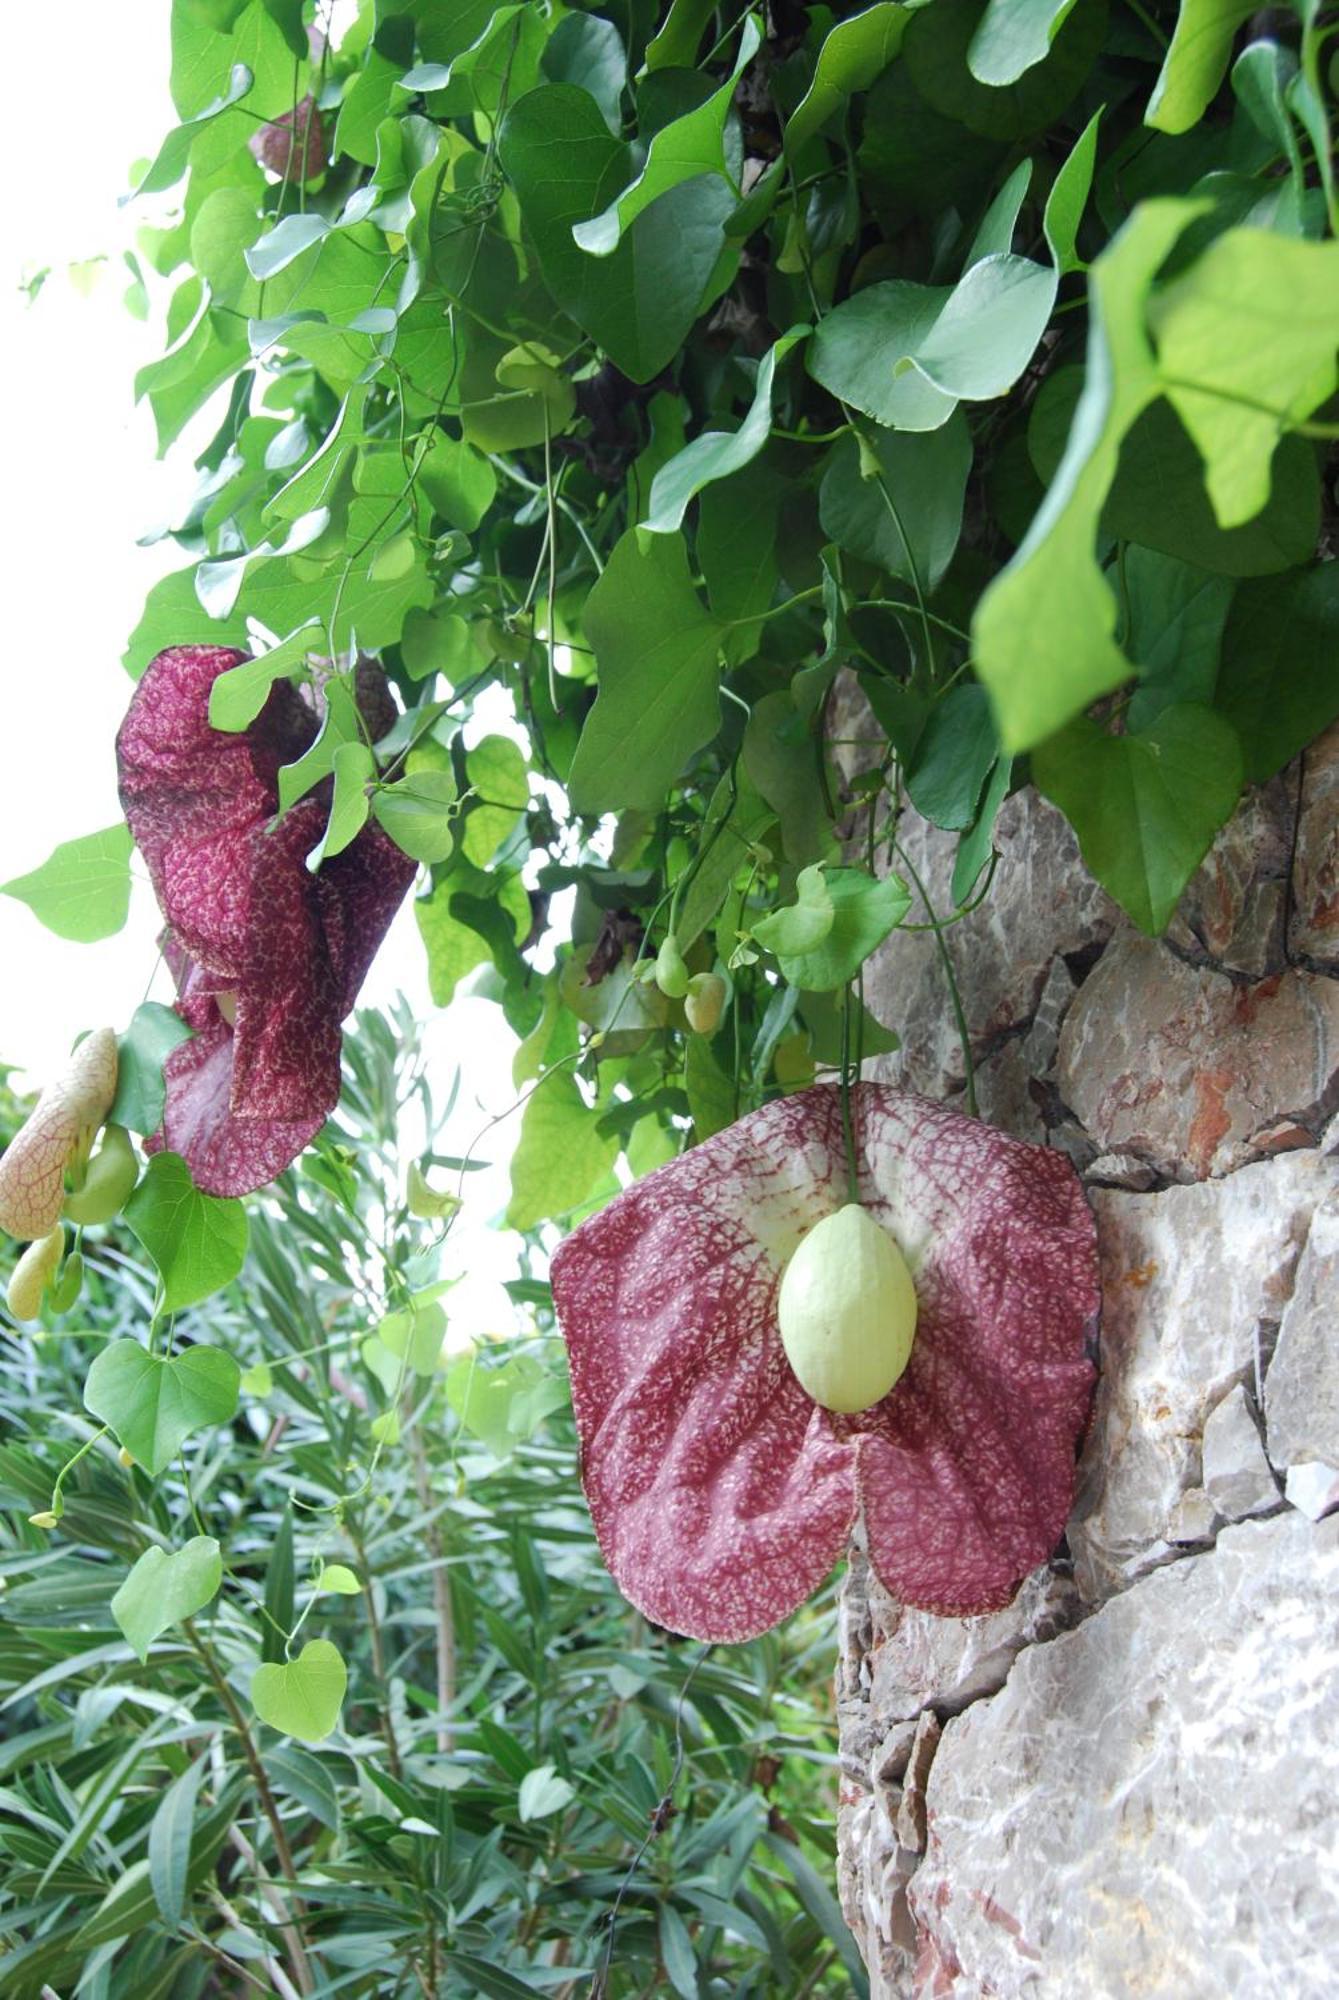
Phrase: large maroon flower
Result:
[267,956]
[721,1493]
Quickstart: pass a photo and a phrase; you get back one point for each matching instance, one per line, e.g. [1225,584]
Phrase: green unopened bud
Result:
[705,1002]
[847,1311]
[46,1519]
[64,1291]
[671,971]
[423,1200]
[108,1183]
[32,1274]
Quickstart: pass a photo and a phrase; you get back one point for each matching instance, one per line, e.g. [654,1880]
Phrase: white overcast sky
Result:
[82,485]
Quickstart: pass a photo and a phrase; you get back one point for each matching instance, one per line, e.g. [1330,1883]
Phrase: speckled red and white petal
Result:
[247,918]
[720,1492]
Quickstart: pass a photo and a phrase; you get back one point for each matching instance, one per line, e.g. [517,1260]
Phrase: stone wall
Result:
[1128,1782]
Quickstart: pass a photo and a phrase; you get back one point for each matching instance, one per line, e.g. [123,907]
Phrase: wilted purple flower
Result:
[267,956]
[722,1494]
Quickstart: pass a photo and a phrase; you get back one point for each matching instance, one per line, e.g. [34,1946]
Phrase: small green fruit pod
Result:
[847,1311]
[33,1273]
[108,1183]
[705,1002]
[672,970]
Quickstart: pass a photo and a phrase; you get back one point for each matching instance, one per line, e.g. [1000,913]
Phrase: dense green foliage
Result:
[644,369]
[510,1728]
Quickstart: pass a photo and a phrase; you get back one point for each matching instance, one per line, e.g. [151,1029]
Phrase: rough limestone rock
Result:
[1042,906]
[1135,1790]
[1189,1069]
[1313,933]
[1314,1489]
[1237,1478]
[1151,1806]
[1302,1393]
[1234,910]
[1194,1280]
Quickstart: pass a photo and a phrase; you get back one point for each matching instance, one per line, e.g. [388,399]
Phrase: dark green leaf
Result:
[1279,681]
[640,301]
[907,514]
[1145,807]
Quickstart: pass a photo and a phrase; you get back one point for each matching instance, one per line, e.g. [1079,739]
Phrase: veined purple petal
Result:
[720,1493]
[268,957]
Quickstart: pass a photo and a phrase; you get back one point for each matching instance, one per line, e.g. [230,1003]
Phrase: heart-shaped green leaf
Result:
[802,925]
[1145,806]
[198,1241]
[153,1404]
[303,1697]
[163,1588]
[863,913]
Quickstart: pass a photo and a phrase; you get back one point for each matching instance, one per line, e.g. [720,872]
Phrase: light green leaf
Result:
[198,1241]
[82,890]
[170,1835]
[640,301]
[802,925]
[497,773]
[854,52]
[354,769]
[1013,35]
[909,516]
[502,1405]
[716,454]
[458,480]
[1043,633]
[681,151]
[1068,199]
[864,911]
[737,815]
[415,1335]
[285,243]
[153,1403]
[656,650]
[340,725]
[1195,63]
[560,1156]
[419,812]
[164,1588]
[239,693]
[302,1697]
[1246,346]
[1279,681]
[173,156]
[154,1031]
[543,1792]
[1145,807]
[338,1578]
